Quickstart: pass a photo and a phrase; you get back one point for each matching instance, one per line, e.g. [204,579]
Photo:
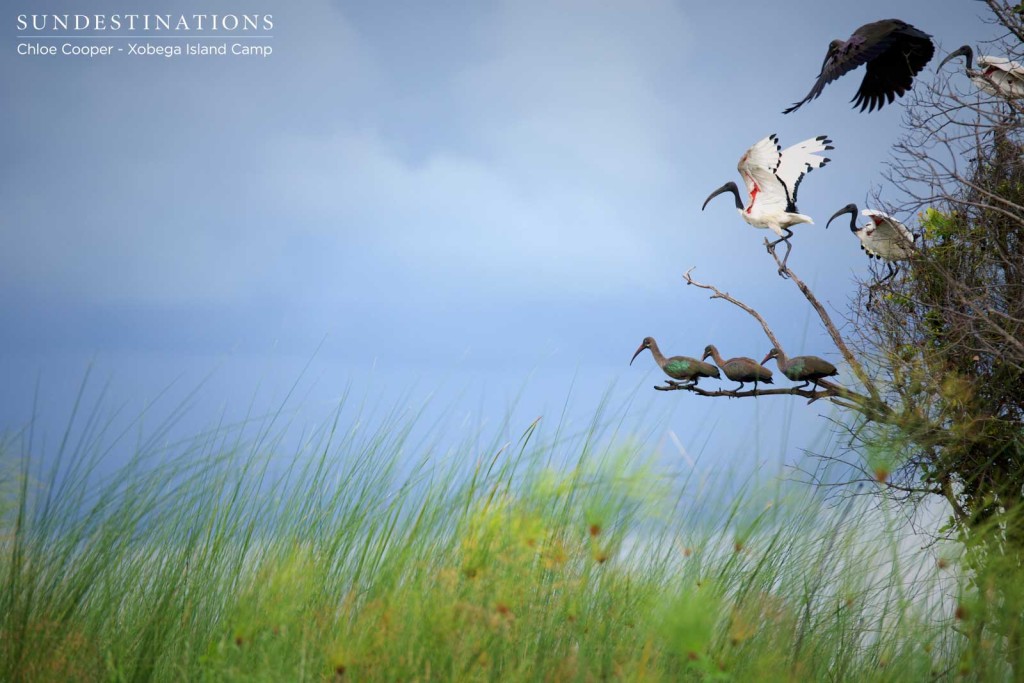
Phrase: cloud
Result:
[180,182]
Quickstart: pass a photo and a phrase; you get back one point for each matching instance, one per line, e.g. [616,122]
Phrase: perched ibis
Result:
[995,75]
[806,369]
[739,369]
[681,368]
[882,237]
[772,176]
[894,52]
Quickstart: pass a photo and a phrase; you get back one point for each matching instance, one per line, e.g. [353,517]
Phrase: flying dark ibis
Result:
[882,237]
[682,368]
[894,52]
[995,75]
[773,176]
[806,369]
[739,369]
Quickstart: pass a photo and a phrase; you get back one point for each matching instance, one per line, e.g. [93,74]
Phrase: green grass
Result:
[368,556]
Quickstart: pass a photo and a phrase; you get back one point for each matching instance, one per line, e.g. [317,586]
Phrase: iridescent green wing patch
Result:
[679,367]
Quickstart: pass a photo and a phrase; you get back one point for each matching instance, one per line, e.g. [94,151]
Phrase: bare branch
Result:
[749,393]
[830,327]
[871,407]
[719,294]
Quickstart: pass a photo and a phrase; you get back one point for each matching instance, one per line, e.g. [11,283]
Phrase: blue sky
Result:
[457,199]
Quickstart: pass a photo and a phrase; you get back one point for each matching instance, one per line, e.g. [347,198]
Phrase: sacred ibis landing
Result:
[882,237]
[894,52]
[773,176]
[995,75]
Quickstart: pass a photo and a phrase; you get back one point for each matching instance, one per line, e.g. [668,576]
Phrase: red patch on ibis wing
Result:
[753,197]
[991,70]
[877,220]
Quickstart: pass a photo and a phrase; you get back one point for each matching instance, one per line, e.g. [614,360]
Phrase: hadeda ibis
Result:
[739,369]
[773,176]
[682,368]
[806,369]
[894,52]
[995,75]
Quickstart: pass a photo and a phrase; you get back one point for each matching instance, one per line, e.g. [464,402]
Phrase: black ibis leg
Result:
[740,387]
[871,288]
[789,248]
[893,269]
[804,385]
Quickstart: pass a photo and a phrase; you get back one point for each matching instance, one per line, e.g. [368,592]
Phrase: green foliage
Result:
[200,565]
[949,334]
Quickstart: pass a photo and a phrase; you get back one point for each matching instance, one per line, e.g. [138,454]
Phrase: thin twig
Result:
[719,294]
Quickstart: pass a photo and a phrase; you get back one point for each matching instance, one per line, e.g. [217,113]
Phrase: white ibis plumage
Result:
[882,237]
[773,176]
[996,76]
[894,52]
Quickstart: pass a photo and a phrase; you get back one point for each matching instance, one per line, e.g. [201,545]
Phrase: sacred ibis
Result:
[882,237]
[773,177]
[739,369]
[894,52]
[806,369]
[681,368]
[995,75]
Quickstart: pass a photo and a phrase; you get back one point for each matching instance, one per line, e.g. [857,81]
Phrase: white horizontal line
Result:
[145,37]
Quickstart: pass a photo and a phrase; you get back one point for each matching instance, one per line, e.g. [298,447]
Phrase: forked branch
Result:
[719,294]
[872,407]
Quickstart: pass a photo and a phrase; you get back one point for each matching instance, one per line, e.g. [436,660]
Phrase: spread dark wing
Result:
[891,74]
[845,58]
[867,45]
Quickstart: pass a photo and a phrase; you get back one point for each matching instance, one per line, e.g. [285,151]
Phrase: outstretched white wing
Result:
[799,160]
[757,166]
[885,237]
